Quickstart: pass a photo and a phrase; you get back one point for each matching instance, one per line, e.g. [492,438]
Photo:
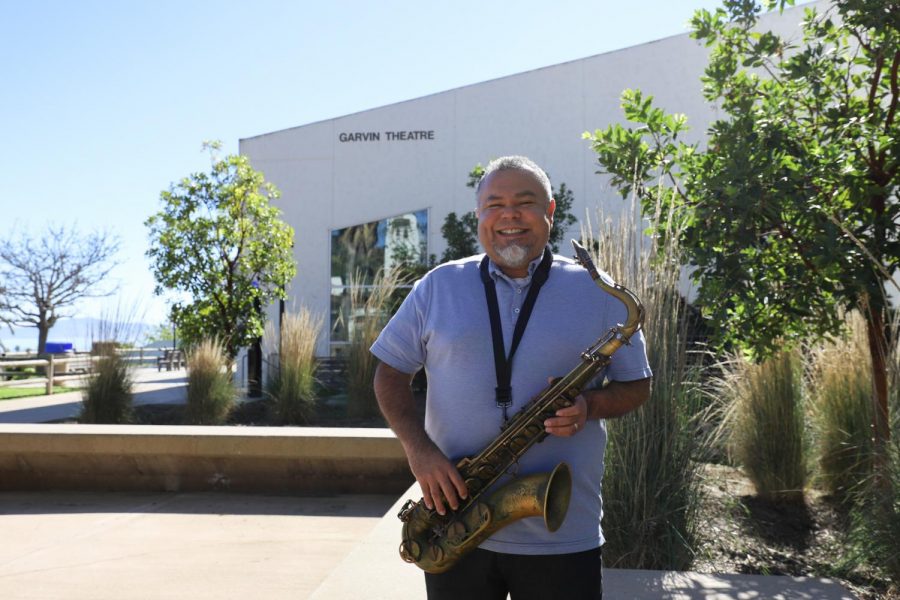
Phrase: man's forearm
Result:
[441,483]
[616,399]
[397,404]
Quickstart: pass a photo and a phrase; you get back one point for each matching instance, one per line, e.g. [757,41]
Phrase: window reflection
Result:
[360,251]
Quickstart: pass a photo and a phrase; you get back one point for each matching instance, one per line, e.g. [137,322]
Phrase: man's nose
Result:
[509,211]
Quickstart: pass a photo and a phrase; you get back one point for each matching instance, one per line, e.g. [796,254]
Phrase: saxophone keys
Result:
[473,484]
[486,470]
[410,551]
[534,429]
[406,512]
[456,533]
[483,512]
[436,552]
[518,442]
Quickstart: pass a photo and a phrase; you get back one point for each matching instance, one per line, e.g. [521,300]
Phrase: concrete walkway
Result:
[150,546]
[89,546]
[150,387]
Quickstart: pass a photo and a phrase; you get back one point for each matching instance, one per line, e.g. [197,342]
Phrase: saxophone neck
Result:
[623,332]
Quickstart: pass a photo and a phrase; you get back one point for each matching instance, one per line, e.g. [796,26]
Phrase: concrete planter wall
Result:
[182,458]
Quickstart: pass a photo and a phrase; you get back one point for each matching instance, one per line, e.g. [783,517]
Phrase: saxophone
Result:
[435,542]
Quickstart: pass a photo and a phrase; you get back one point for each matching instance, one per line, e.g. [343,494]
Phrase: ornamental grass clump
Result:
[292,380]
[651,487]
[842,410]
[107,397]
[875,512]
[370,309]
[211,395]
[766,424]
[875,518]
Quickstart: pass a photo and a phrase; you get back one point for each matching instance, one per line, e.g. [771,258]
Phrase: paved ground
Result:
[151,387]
[71,546]
[149,546]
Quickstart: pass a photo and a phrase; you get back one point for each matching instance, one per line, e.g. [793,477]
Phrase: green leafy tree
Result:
[563,219]
[162,332]
[219,240]
[461,233]
[788,213]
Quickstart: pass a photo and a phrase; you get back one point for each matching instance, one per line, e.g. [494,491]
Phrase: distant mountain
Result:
[80,332]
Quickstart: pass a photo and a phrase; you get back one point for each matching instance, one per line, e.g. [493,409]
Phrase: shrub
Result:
[875,520]
[107,397]
[370,309]
[210,392]
[651,489]
[767,424]
[292,382]
[875,516]
[842,410]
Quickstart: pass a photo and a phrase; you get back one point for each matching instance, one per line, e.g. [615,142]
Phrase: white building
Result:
[389,176]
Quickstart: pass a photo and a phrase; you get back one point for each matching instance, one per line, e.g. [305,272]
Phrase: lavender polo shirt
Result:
[443,326]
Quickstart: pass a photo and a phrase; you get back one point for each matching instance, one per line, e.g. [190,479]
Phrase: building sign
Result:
[390,136]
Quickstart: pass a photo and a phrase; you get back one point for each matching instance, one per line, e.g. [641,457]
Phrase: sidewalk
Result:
[150,387]
[158,546]
[152,546]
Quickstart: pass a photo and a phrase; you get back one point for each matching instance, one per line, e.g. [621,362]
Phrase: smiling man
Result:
[515,214]
[539,312]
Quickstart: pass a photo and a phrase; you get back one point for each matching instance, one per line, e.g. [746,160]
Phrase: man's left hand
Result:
[569,420]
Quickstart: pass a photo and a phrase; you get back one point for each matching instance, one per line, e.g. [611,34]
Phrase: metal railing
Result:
[62,368]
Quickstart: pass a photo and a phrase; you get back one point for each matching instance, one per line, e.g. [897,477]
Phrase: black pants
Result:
[485,575]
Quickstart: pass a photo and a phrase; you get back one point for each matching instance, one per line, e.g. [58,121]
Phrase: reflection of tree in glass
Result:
[404,245]
[397,244]
[340,307]
[354,249]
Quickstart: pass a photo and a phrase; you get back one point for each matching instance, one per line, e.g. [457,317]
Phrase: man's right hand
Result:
[442,485]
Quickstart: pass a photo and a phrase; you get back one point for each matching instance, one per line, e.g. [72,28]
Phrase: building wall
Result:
[327,183]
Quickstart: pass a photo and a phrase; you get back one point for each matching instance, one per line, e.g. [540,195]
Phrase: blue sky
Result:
[105,104]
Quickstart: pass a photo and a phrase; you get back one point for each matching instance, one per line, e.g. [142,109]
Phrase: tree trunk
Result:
[878,350]
[43,333]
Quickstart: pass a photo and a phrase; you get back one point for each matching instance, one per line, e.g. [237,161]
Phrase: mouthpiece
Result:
[584,259]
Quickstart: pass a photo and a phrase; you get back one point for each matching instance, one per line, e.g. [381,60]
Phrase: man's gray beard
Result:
[513,256]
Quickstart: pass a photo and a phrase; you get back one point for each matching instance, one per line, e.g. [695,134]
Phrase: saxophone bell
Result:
[544,495]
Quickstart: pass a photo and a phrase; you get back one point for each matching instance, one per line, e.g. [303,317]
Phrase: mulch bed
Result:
[742,533]
[253,413]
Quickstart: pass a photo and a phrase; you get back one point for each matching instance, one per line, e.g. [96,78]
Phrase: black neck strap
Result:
[502,362]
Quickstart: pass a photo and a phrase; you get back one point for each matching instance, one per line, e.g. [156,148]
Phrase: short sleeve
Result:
[401,343]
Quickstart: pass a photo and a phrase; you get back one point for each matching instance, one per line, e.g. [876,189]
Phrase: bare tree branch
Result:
[41,277]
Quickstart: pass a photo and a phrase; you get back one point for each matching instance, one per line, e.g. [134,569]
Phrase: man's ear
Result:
[551,208]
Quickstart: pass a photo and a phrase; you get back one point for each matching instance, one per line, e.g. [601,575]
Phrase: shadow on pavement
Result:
[195,503]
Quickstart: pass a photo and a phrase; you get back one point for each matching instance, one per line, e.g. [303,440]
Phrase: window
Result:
[359,252]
